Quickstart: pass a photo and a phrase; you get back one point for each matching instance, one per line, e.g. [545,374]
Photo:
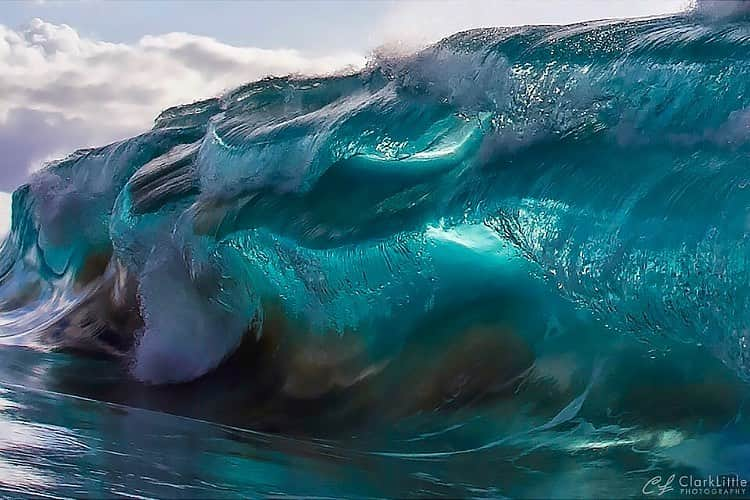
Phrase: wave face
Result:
[604,161]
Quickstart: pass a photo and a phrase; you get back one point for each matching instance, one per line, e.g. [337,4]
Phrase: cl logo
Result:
[654,486]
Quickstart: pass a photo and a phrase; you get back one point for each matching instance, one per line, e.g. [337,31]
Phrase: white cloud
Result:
[60,91]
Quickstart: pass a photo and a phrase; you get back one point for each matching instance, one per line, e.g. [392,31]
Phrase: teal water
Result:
[513,264]
[68,434]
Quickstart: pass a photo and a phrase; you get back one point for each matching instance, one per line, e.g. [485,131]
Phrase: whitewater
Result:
[524,247]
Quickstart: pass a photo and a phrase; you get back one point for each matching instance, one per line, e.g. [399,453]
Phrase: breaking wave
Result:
[596,171]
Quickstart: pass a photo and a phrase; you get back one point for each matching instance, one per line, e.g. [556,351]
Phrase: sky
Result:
[81,74]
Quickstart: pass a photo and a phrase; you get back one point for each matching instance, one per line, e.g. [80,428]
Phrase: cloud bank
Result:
[60,91]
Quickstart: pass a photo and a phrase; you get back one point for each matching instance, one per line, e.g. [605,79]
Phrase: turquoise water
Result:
[513,264]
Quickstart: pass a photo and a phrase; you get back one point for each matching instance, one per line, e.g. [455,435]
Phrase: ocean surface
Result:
[513,264]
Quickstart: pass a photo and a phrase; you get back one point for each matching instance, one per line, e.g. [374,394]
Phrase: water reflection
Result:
[592,442]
